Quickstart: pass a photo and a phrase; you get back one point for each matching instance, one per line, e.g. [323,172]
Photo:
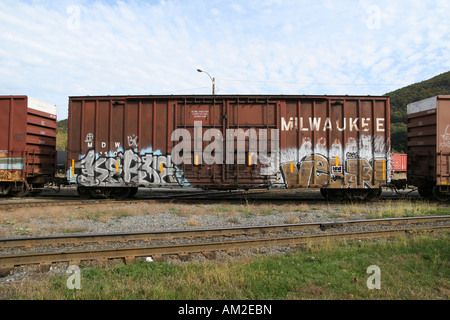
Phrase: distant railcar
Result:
[27,144]
[399,162]
[429,146]
[339,144]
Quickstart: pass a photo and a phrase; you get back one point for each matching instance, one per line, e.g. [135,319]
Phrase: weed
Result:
[11,222]
[23,231]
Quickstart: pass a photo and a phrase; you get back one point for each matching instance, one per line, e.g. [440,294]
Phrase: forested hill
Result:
[400,98]
[61,134]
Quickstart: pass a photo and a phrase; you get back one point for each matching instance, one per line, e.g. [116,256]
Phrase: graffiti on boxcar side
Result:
[10,176]
[445,138]
[133,141]
[315,170]
[357,163]
[128,167]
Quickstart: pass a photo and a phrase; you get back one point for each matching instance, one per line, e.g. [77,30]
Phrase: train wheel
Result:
[374,194]
[333,195]
[440,196]
[99,192]
[120,193]
[21,191]
[133,191]
[5,189]
[84,193]
[426,192]
[351,194]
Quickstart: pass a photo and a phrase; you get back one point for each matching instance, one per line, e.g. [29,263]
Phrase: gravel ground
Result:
[156,217]
[145,217]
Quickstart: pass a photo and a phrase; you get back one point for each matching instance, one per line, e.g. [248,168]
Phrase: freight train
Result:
[339,145]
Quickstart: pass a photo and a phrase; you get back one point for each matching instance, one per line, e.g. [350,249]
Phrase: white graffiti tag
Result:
[445,138]
[127,168]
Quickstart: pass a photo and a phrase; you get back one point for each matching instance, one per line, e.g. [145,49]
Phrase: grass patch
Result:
[405,208]
[393,209]
[246,212]
[220,208]
[415,268]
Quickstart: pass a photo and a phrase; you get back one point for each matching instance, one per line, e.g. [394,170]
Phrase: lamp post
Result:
[212,79]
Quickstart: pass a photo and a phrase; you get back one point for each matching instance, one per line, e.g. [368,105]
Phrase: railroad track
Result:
[261,236]
[193,197]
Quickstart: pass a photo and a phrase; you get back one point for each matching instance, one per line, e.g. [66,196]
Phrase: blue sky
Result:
[54,49]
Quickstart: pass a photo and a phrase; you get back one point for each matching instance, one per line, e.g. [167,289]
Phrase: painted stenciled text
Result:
[320,124]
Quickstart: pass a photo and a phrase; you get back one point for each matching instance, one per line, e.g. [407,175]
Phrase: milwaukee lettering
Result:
[319,124]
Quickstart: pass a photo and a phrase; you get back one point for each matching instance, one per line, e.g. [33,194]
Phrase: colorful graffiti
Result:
[445,138]
[316,170]
[10,176]
[357,163]
[129,168]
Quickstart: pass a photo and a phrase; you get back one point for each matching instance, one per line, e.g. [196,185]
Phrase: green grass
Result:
[415,268]
[391,209]
[220,208]
[412,209]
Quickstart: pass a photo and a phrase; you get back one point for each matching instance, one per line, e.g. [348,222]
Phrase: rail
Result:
[45,259]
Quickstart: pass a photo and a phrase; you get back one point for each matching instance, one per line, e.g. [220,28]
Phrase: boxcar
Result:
[339,144]
[27,144]
[399,163]
[429,146]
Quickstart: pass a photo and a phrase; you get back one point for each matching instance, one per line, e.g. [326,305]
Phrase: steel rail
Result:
[180,199]
[46,259]
[80,239]
[188,196]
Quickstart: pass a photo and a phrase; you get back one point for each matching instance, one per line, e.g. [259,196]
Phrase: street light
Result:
[212,79]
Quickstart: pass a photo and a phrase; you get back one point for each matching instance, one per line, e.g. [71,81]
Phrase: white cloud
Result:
[52,50]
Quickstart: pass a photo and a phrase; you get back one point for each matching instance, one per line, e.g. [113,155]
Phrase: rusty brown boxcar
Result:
[27,144]
[339,144]
[429,146]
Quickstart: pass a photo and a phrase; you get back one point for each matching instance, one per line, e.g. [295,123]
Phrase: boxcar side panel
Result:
[120,141]
[13,115]
[27,143]
[422,125]
[336,142]
[443,141]
[41,142]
